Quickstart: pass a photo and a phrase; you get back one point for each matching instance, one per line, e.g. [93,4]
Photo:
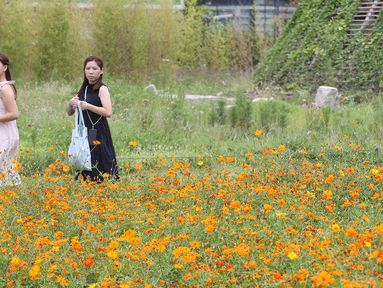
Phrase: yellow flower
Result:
[112,255]
[133,143]
[200,163]
[335,227]
[292,255]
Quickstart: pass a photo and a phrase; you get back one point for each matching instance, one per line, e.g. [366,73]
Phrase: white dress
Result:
[9,143]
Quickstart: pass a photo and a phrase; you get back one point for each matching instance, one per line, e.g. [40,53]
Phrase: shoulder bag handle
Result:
[79,118]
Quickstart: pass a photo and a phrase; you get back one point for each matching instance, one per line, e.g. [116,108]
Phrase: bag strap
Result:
[79,118]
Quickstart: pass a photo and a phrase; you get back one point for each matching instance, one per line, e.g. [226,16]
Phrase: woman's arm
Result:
[106,108]
[7,94]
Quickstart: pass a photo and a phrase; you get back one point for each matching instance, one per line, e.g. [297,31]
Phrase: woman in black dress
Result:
[96,106]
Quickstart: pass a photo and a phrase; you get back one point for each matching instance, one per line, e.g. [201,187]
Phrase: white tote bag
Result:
[79,151]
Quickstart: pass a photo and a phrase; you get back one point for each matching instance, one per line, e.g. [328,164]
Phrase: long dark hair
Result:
[4,59]
[99,82]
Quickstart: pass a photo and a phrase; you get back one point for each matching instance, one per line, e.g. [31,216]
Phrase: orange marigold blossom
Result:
[258,132]
[62,281]
[351,232]
[88,261]
[76,245]
[113,245]
[250,265]
[268,208]
[322,279]
[195,244]
[242,250]
[34,271]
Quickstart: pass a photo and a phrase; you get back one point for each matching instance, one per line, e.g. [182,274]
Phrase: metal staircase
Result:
[363,22]
[364,19]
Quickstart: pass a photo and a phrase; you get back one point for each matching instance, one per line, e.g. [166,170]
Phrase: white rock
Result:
[151,88]
[327,96]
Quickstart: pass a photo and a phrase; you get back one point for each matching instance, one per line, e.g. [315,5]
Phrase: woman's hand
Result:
[84,105]
[73,102]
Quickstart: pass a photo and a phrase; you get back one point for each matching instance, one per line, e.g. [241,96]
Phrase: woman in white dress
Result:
[9,135]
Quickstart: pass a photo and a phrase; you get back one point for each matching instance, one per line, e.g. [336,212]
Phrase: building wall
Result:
[266,16]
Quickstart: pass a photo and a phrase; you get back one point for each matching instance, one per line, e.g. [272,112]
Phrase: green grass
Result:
[165,124]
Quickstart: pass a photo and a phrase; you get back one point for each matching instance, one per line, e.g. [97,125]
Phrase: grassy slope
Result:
[310,52]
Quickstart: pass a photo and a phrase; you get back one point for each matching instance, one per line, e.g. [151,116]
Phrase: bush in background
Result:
[138,40]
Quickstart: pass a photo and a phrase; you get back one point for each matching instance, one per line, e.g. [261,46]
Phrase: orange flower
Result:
[76,245]
[195,244]
[62,281]
[322,279]
[34,272]
[329,179]
[250,265]
[258,132]
[88,261]
[351,232]
[268,208]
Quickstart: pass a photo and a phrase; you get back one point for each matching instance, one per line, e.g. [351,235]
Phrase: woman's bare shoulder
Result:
[6,89]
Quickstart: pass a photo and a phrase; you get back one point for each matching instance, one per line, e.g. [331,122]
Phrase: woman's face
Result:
[92,72]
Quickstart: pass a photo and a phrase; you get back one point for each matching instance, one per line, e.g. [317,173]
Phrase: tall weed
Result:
[16,30]
[189,40]
[53,50]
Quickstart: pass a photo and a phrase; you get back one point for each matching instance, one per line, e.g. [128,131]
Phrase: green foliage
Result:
[366,59]
[166,123]
[241,113]
[311,50]
[318,119]
[48,40]
[53,48]
[190,39]
[272,114]
[216,38]
[16,30]
[218,113]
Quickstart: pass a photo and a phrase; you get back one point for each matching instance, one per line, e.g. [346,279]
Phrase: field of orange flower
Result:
[263,219]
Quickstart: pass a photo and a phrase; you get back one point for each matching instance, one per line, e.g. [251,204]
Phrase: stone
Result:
[327,96]
[151,88]
[189,97]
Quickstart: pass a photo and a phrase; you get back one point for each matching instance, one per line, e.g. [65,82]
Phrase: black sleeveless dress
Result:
[103,155]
